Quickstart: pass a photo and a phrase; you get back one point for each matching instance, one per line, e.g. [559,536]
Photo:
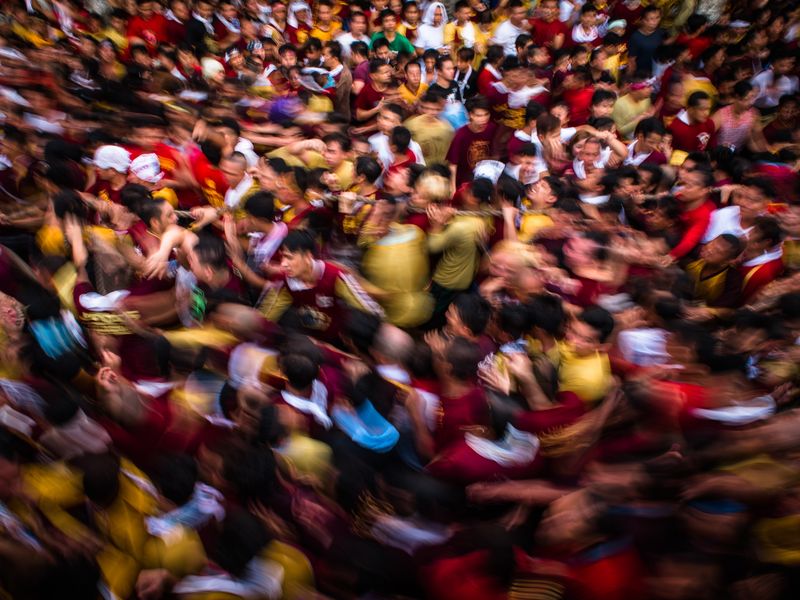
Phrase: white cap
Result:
[112,157]
[211,67]
[147,168]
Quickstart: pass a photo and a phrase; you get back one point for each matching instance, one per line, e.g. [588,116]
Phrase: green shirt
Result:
[626,111]
[400,42]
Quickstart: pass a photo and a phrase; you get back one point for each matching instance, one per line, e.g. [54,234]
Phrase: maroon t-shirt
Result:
[367,98]
[544,32]
[695,137]
[468,148]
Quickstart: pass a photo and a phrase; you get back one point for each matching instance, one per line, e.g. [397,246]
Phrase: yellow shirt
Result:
[531,224]
[459,245]
[626,110]
[410,97]
[587,376]
[326,35]
[433,136]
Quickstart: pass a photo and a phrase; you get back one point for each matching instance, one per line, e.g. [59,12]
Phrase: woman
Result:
[430,34]
[408,26]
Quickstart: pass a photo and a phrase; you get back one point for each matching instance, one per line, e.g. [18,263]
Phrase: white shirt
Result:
[233,196]
[724,220]
[348,38]
[379,144]
[506,35]
[784,85]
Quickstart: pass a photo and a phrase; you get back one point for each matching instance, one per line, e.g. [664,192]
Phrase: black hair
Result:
[69,202]
[386,12]
[101,477]
[600,320]
[466,54]
[482,188]
[361,48]
[300,241]
[240,539]
[546,311]
[368,167]
[361,329]
[400,138]
[742,88]
[769,228]
[175,475]
[734,243]
[649,125]
[210,251]
[532,111]
[473,310]
[339,138]
[510,189]
[602,95]
[147,211]
[313,44]
[261,205]
[395,108]
[463,357]
[300,370]
[695,98]
[514,320]
[477,103]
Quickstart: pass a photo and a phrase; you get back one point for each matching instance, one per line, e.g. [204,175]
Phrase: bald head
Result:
[393,345]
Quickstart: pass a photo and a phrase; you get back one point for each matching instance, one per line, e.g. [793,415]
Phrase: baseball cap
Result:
[147,168]
[112,157]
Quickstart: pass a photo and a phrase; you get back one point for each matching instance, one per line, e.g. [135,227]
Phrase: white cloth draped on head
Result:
[294,8]
[428,34]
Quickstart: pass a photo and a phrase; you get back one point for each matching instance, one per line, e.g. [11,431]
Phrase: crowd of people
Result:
[383,299]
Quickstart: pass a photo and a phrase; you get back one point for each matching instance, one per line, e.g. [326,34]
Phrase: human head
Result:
[468,315]
[233,168]
[332,55]
[649,132]
[381,50]
[337,148]
[158,215]
[446,69]
[641,87]
[590,152]
[722,250]
[299,253]
[696,184]
[589,331]
[603,103]
[744,95]
[588,16]
[388,20]
[389,117]
[358,23]
[516,12]
[765,235]
[698,107]
[413,74]
[380,72]
[650,18]
[478,112]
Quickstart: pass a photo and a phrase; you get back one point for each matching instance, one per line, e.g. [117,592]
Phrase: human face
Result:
[717,252]
[479,119]
[147,137]
[447,71]
[358,24]
[232,170]
[590,153]
[333,154]
[700,113]
[693,188]
[517,16]
[549,10]
[387,120]
[413,75]
[751,201]
[561,113]
[783,66]
[541,194]
[324,14]
[296,264]
[279,12]
[180,10]
[588,19]
[462,14]
[651,20]
[787,112]
[649,143]
[383,54]
[437,16]
[746,103]
[675,95]
[204,9]
[396,6]
[389,24]
[604,109]
[165,220]
[228,10]
[430,109]
[146,10]
[412,15]
[328,61]
[288,59]
[455,326]
[383,75]
[583,338]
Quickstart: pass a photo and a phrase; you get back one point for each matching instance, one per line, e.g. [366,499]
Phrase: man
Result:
[646,145]
[231,133]
[776,81]
[357,33]
[693,129]
[148,27]
[763,257]
[325,26]
[332,60]
[634,106]
[200,34]
[390,116]
[507,32]
[111,164]
[146,171]
[370,99]
[413,87]
[431,131]
[696,209]
[584,366]
[714,277]
[547,30]
[645,41]
[397,42]
[444,84]
[472,143]
[316,291]
[240,183]
[749,202]
[338,148]
[359,64]
[466,78]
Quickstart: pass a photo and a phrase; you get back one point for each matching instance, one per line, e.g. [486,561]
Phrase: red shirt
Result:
[468,148]
[458,414]
[153,31]
[104,191]
[696,45]
[695,222]
[694,137]
[367,98]
[756,277]
[579,102]
[543,32]
[485,81]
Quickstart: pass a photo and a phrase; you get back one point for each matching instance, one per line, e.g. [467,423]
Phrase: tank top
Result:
[733,130]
